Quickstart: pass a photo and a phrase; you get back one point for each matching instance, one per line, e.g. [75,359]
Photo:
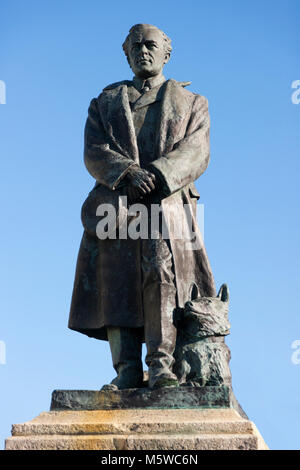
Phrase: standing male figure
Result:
[149,139]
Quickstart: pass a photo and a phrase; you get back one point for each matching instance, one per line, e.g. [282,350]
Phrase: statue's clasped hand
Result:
[140,182]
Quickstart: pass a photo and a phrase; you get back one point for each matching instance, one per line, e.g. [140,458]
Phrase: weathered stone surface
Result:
[125,422]
[167,397]
[153,442]
[147,429]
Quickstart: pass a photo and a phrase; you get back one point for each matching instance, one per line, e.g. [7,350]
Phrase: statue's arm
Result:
[106,165]
[190,157]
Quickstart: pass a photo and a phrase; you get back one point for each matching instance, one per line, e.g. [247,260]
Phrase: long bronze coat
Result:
[107,288]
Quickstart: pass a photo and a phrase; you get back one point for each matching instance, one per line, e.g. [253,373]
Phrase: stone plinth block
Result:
[166,419]
[167,397]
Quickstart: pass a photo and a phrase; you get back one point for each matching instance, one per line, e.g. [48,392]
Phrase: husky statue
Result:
[201,355]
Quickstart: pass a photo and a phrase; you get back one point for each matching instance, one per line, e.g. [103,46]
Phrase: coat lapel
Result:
[116,116]
[117,120]
[175,107]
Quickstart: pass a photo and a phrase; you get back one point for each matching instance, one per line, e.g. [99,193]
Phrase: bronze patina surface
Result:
[148,140]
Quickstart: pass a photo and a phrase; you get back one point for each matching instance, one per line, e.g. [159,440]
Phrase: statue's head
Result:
[147,49]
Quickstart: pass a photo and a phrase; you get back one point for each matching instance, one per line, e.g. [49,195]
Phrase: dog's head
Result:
[208,316]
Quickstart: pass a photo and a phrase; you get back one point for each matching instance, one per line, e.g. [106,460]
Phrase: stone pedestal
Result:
[86,420]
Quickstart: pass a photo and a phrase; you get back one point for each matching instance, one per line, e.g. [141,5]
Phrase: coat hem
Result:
[100,333]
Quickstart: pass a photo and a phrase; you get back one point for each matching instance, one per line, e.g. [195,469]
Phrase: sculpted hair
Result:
[136,27]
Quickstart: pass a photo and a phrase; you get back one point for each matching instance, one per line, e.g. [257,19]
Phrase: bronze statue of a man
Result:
[147,139]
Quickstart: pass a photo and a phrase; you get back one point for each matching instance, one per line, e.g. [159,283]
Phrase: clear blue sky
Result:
[243,56]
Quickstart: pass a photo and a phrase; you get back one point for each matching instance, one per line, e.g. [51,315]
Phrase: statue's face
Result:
[147,54]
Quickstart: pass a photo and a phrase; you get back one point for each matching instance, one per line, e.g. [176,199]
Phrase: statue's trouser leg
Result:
[159,304]
[126,350]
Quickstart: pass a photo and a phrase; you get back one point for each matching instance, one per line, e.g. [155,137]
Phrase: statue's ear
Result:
[128,60]
[223,294]
[167,57]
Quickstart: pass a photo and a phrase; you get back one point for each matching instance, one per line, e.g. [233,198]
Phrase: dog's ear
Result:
[194,292]
[223,294]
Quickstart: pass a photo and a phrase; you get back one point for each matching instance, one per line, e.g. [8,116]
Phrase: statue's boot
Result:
[126,350]
[160,333]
